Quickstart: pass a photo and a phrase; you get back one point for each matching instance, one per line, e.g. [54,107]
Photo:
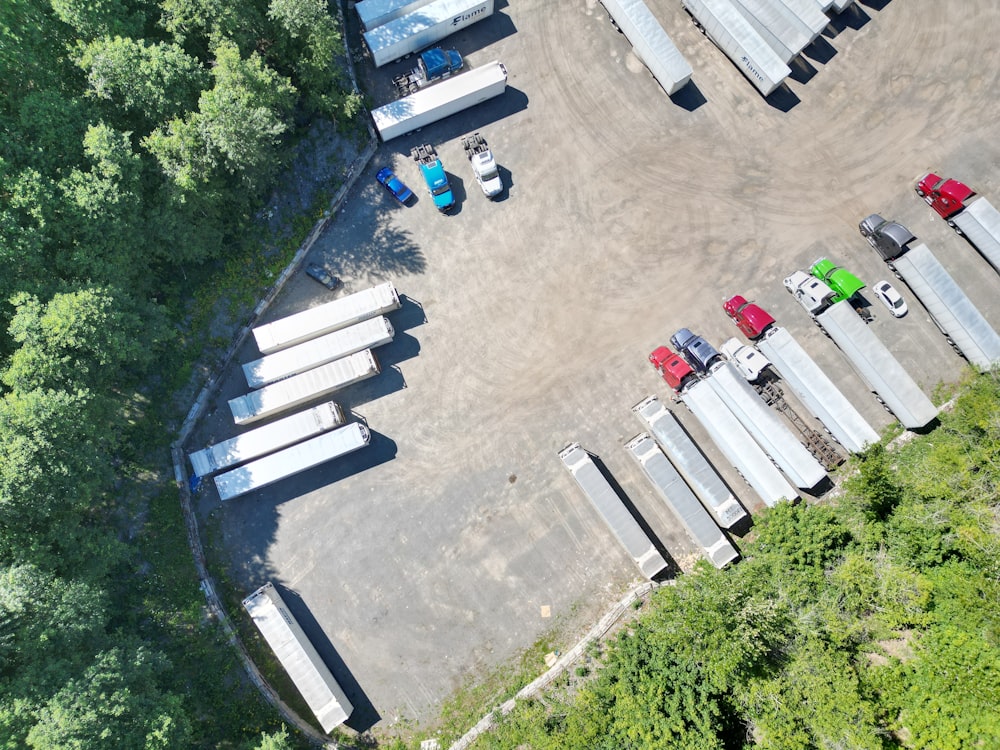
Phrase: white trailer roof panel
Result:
[423,27]
[292,460]
[949,306]
[810,13]
[367,334]
[267,439]
[325,318]
[307,386]
[816,390]
[980,222]
[472,87]
[876,365]
[617,517]
[312,678]
[651,43]
[734,35]
[737,444]
[690,462]
[679,498]
[775,16]
[375,13]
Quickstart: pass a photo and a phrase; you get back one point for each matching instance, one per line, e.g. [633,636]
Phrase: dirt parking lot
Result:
[427,558]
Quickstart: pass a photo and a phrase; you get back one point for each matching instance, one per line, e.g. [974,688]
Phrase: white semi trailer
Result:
[733,34]
[779,26]
[690,462]
[699,524]
[771,434]
[375,13]
[612,510]
[311,676]
[737,444]
[291,460]
[966,212]
[267,439]
[650,42]
[428,105]
[271,368]
[326,318]
[887,378]
[810,13]
[423,27]
[816,391]
[304,387]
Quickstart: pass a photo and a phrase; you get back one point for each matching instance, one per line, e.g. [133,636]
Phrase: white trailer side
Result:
[679,498]
[734,35]
[368,334]
[433,103]
[876,366]
[980,222]
[304,387]
[267,439]
[781,22]
[948,305]
[766,426]
[292,460]
[375,13]
[617,517]
[810,14]
[690,462]
[423,28]
[651,43]
[736,444]
[816,390]
[326,318]
[312,678]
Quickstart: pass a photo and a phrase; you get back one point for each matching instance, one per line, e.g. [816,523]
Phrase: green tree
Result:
[117,702]
[90,19]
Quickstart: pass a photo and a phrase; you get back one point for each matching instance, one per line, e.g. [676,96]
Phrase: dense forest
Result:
[866,623]
[139,138]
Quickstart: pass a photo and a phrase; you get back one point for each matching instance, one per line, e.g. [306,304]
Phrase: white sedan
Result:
[890,298]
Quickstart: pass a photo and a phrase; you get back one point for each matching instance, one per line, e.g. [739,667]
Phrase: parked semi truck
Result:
[267,439]
[733,34]
[816,391]
[612,510]
[310,675]
[368,334]
[436,102]
[876,365]
[949,307]
[436,179]
[434,64]
[304,387]
[678,496]
[375,13]
[690,463]
[765,426]
[326,318]
[650,43]
[291,460]
[484,165]
[424,27]
[750,362]
[844,283]
[966,212]
[726,431]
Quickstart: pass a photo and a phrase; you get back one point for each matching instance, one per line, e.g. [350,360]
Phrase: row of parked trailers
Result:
[761,37]
[307,357]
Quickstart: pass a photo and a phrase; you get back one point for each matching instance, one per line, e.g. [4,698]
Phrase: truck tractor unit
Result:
[433,65]
[699,353]
[844,283]
[966,212]
[484,165]
[432,170]
[752,320]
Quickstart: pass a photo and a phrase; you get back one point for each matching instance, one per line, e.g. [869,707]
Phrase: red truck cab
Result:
[674,369]
[944,195]
[751,319]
